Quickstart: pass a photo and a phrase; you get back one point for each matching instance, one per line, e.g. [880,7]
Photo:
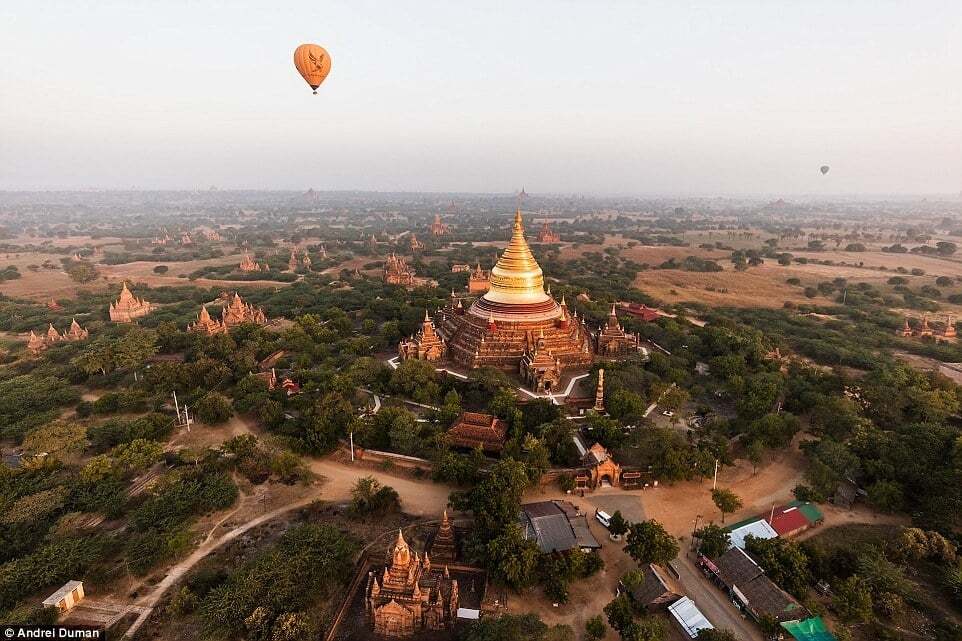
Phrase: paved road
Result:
[714,603]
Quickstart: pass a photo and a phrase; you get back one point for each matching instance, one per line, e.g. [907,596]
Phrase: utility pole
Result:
[714,484]
[186,418]
[352,446]
[176,407]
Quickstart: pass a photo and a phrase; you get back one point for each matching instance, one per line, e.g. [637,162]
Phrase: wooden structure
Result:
[68,596]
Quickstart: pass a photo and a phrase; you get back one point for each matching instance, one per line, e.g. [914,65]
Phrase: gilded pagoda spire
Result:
[517,277]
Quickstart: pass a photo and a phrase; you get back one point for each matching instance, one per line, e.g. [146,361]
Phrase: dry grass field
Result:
[45,284]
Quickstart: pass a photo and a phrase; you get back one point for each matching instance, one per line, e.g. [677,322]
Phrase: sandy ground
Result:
[55,283]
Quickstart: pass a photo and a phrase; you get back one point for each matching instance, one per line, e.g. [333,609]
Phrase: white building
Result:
[66,597]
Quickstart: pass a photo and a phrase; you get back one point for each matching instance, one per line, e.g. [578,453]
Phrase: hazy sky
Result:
[590,96]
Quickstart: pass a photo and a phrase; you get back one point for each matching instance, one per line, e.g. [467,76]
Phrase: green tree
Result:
[496,500]
[369,497]
[618,524]
[595,629]
[715,540]
[784,561]
[649,542]
[512,558]
[726,501]
[754,453]
[213,408]
[135,347]
[853,600]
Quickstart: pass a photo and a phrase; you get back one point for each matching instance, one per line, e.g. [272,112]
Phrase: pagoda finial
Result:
[427,319]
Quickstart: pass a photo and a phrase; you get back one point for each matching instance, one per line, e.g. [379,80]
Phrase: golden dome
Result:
[517,278]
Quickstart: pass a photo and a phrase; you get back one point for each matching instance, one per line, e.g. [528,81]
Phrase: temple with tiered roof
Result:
[128,309]
[426,345]
[517,326]
[545,235]
[478,281]
[612,340]
[397,272]
[409,595]
[237,312]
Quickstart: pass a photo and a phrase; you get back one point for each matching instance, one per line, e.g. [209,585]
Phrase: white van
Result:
[603,517]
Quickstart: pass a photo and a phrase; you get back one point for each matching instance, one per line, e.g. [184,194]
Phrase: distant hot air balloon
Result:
[313,63]
[823,168]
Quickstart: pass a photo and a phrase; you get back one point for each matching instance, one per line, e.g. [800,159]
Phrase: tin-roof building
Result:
[556,526]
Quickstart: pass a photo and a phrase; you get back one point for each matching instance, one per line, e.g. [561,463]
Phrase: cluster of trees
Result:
[497,540]
[273,594]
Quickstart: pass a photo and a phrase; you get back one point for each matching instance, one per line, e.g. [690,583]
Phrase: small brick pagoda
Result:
[437,227]
[39,342]
[478,281]
[444,547]
[545,235]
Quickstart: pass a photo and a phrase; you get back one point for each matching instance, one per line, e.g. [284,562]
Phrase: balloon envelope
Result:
[823,169]
[313,63]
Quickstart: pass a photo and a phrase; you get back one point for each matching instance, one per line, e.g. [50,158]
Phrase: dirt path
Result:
[420,498]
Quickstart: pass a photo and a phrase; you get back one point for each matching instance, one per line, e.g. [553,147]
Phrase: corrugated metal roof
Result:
[760,529]
[689,617]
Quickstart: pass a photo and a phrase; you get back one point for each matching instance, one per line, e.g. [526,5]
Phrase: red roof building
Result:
[473,429]
[788,521]
[645,313]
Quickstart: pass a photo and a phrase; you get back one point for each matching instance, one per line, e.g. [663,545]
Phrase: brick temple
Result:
[517,326]
[410,595]
[128,308]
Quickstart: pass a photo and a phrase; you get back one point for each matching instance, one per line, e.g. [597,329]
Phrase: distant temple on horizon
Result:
[437,227]
[545,235]
[128,309]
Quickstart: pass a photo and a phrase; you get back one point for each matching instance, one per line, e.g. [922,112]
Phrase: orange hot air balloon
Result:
[313,62]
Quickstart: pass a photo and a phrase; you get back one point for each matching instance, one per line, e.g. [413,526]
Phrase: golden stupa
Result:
[516,325]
